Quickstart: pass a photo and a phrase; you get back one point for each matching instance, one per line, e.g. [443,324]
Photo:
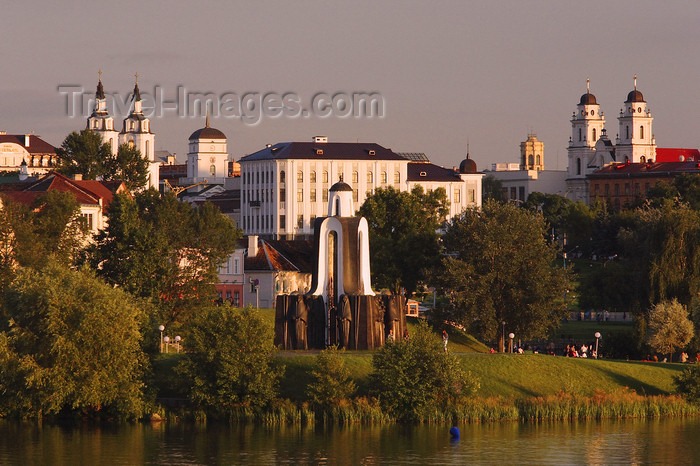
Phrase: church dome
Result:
[634,96]
[340,186]
[467,166]
[207,133]
[588,99]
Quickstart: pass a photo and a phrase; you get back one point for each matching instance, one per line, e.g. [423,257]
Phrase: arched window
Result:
[300,176]
[642,159]
[397,177]
[370,178]
[212,170]
[578,166]
[579,134]
[641,132]
[355,176]
[537,160]
[312,177]
[384,178]
[325,176]
[594,135]
[530,161]
[282,176]
[627,132]
[147,145]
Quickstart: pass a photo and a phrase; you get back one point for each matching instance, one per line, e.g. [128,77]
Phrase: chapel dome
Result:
[634,96]
[467,166]
[207,133]
[588,99]
[341,186]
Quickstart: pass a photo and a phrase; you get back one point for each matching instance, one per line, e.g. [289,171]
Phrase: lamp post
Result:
[166,339]
[177,342]
[161,328]
[597,337]
[503,337]
[511,335]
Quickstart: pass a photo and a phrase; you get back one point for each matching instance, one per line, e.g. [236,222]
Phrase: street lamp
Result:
[511,335]
[166,339]
[597,337]
[177,342]
[161,328]
[502,349]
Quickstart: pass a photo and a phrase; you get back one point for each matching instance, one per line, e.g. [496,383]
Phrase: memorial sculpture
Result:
[341,308]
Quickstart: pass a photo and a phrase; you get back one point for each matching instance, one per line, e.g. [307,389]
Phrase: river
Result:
[668,441]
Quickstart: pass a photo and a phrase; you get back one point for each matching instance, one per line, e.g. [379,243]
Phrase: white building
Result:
[136,130]
[284,187]
[590,148]
[207,159]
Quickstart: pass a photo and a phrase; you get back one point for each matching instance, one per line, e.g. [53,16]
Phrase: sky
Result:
[450,74]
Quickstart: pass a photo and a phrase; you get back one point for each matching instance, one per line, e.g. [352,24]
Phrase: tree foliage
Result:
[72,345]
[492,189]
[229,361]
[164,250]
[403,237]
[669,327]
[413,377]
[688,383]
[84,153]
[331,380]
[500,268]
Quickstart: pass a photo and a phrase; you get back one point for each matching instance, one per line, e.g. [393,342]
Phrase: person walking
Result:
[444,340]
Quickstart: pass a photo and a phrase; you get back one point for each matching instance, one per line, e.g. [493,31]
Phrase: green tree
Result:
[84,153]
[414,377]
[404,243]
[229,361]
[492,189]
[669,327]
[499,268]
[331,380]
[129,166]
[164,250]
[688,383]
[72,345]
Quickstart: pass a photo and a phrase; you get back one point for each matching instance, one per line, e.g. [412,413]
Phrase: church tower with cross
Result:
[100,121]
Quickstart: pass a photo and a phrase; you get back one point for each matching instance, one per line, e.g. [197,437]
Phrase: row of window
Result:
[236,300]
[617,189]
[225,268]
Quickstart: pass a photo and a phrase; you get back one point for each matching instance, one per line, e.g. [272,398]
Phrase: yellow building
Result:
[532,153]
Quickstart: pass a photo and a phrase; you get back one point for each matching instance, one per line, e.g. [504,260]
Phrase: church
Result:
[136,129]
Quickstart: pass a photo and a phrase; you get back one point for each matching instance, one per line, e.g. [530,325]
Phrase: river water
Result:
[666,441]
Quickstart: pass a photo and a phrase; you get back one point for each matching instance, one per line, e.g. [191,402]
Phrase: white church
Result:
[136,130]
[590,148]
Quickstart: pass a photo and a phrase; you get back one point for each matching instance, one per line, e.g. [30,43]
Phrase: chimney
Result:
[252,245]
[320,139]
[77,177]
[26,140]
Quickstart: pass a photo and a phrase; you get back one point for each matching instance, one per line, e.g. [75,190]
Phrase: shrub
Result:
[331,380]
[413,377]
[688,383]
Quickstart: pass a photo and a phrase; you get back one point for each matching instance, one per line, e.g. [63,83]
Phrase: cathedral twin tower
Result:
[136,129]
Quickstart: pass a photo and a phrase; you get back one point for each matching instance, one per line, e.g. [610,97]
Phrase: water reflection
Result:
[630,441]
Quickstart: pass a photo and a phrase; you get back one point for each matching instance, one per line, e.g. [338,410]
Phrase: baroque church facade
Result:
[136,130]
[591,149]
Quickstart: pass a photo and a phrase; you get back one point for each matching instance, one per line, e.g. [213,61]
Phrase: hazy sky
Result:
[486,72]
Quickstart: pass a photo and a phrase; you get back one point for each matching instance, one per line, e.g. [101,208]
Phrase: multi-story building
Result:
[284,187]
[37,155]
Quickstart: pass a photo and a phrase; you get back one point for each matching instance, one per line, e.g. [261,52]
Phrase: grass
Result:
[584,331]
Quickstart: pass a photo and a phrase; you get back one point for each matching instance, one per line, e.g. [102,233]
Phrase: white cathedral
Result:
[590,148]
[136,130]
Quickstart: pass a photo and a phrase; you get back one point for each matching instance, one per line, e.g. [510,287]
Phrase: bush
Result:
[688,383]
[229,361]
[412,378]
[331,380]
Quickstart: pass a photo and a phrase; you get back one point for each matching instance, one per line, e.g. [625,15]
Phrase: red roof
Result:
[85,191]
[616,170]
[280,255]
[36,144]
[677,155]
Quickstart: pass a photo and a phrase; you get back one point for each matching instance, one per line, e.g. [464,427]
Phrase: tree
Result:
[331,380]
[413,377]
[129,166]
[72,345]
[84,153]
[229,360]
[164,250]
[688,383]
[669,327]
[499,268]
[403,235]
[492,189]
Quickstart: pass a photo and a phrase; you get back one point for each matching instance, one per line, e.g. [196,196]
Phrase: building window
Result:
[300,176]
[596,189]
[340,176]
[283,222]
[397,178]
[642,159]
[384,178]
[236,266]
[88,220]
[312,177]
[325,195]
[627,132]
[579,134]
[607,190]
[472,195]
[312,220]
[147,146]
[370,178]
[538,160]
[521,193]
[312,195]
[636,189]
[627,189]
[324,178]
[646,188]
[355,195]
[578,166]
[212,170]
[300,221]
[458,196]
[300,195]
[355,176]
[282,177]
[283,195]
[594,135]
[617,189]
[237,298]
[641,132]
